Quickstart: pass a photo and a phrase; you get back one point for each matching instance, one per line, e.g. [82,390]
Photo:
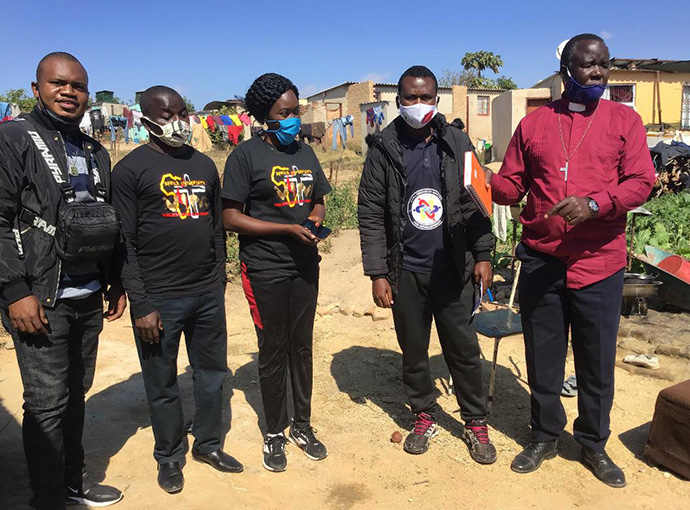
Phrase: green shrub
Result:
[668,227]
[232,260]
[341,206]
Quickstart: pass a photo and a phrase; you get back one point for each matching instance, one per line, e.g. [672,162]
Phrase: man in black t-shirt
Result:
[168,197]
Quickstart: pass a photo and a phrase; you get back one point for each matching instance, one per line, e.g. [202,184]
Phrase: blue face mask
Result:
[288,130]
[579,93]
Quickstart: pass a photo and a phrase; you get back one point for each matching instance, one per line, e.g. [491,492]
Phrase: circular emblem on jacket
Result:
[425,209]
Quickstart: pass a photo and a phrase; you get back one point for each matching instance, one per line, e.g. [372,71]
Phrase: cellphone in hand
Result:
[321,232]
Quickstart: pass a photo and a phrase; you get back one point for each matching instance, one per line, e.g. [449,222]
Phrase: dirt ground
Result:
[358,402]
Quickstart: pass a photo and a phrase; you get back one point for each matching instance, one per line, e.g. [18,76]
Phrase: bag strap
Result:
[62,180]
[43,149]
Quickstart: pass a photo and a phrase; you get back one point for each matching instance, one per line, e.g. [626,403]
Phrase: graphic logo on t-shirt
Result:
[425,209]
[184,198]
[293,186]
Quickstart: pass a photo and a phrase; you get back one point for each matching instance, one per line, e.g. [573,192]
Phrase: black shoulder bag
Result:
[84,231]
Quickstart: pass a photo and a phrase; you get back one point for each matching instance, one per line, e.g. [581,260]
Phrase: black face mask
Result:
[60,123]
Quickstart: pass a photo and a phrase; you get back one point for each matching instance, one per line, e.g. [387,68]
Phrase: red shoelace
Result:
[422,424]
[480,430]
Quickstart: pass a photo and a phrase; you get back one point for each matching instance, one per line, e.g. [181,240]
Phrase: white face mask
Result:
[418,115]
[174,134]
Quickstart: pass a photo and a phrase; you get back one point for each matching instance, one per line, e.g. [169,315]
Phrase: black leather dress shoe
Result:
[603,468]
[170,477]
[219,460]
[531,457]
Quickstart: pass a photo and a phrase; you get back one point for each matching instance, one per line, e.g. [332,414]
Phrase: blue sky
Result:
[211,50]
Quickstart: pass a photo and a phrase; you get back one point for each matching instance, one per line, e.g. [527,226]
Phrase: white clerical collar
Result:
[576,107]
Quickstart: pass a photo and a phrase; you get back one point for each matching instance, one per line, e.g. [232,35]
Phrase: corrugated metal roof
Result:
[396,85]
[486,90]
[345,83]
[651,64]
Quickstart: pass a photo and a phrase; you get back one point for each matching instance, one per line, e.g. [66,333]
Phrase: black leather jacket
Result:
[28,260]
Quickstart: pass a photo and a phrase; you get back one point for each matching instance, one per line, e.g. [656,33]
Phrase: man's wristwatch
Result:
[593,207]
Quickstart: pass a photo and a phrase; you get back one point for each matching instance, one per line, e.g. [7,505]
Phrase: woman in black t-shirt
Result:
[272,185]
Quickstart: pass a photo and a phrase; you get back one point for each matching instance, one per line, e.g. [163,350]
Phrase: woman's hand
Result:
[301,234]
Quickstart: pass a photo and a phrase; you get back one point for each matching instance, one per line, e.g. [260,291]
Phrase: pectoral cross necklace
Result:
[565,151]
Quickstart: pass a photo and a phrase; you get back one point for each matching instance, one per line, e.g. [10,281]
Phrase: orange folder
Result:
[475,184]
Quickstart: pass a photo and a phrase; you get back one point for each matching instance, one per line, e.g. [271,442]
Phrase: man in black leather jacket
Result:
[52,309]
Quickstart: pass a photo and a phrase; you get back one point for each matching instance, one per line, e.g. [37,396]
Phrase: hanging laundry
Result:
[16,112]
[378,115]
[117,122]
[97,121]
[244,118]
[200,139]
[136,118]
[236,120]
[318,130]
[234,133]
[203,121]
[127,113]
[340,128]
[106,115]
[5,112]
[227,120]
[84,125]
[370,116]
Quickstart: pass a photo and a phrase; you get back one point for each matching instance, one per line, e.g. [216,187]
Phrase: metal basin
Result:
[640,290]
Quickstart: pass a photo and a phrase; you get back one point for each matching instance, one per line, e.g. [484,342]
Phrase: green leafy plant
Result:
[668,227]
[21,98]
[232,250]
[341,206]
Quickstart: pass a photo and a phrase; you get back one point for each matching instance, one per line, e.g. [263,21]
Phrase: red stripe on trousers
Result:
[249,294]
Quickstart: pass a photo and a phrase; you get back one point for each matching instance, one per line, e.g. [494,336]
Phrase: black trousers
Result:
[447,298]
[283,305]
[57,370]
[202,319]
[549,310]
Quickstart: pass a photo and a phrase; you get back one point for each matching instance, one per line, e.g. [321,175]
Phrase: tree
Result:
[506,83]
[471,76]
[21,98]
[481,60]
[469,79]
[190,105]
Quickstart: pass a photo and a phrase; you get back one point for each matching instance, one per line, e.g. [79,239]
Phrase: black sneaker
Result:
[305,439]
[476,435]
[92,494]
[425,428]
[274,453]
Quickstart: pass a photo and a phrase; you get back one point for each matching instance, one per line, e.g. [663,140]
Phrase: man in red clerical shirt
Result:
[585,163]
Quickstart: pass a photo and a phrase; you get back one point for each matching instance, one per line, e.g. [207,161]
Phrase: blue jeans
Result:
[57,370]
[202,319]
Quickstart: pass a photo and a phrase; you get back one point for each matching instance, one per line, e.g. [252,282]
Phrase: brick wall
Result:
[357,94]
[459,103]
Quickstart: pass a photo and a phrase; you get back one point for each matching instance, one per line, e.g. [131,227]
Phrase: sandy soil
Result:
[358,402]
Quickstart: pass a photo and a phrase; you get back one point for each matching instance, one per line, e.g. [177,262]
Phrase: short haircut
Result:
[417,72]
[56,54]
[148,98]
[264,92]
[569,50]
